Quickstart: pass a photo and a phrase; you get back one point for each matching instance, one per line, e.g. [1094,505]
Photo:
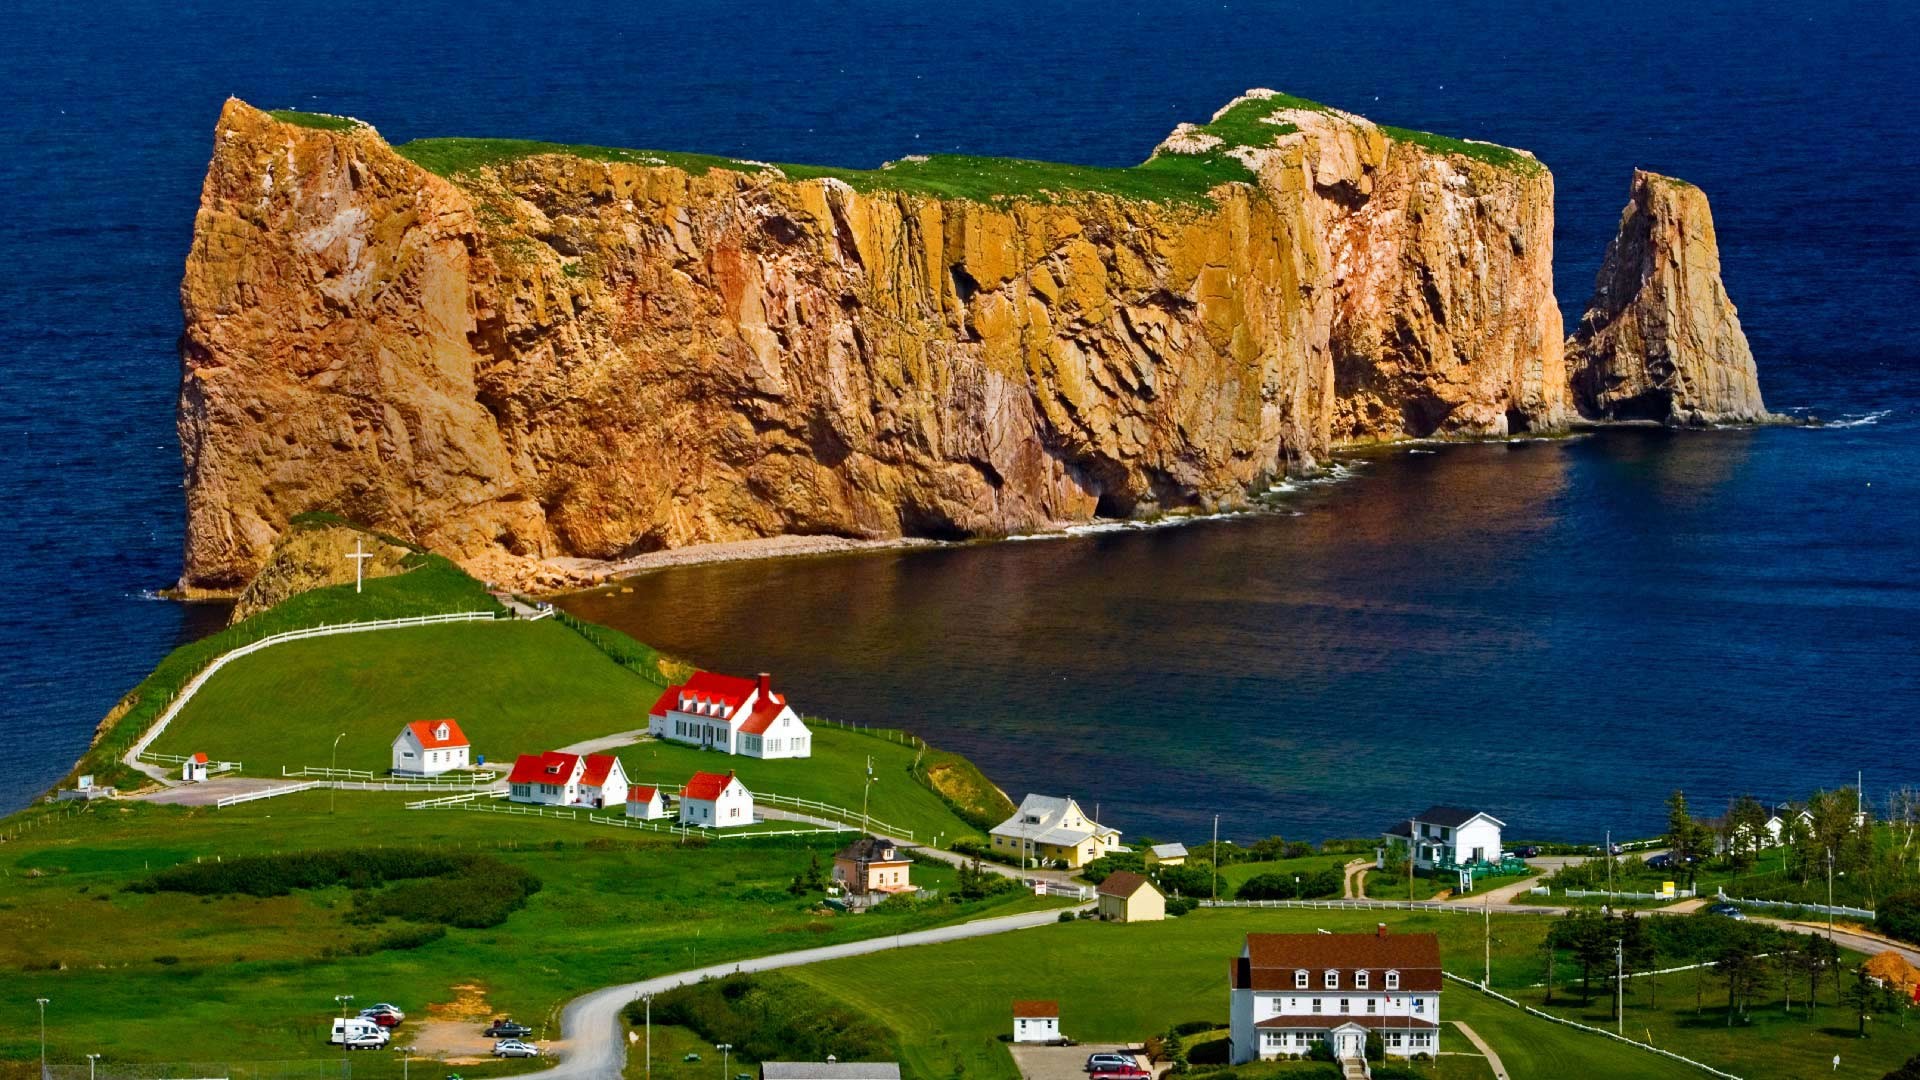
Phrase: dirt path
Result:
[1502,895]
[1493,1060]
[1354,885]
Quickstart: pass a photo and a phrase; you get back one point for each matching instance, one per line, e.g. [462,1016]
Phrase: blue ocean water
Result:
[1566,629]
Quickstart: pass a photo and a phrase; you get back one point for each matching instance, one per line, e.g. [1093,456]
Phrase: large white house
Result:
[559,779]
[1047,829]
[738,716]
[430,747]
[1448,836]
[1290,991]
[716,801]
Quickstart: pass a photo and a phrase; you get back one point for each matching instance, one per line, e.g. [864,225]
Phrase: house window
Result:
[1316,1004]
[1344,1004]
[1333,980]
[1300,980]
[1373,1005]
[1359,980]
[1393,980]
[1419,1004]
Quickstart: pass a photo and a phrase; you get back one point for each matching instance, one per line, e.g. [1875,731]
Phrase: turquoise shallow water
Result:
[1730,610]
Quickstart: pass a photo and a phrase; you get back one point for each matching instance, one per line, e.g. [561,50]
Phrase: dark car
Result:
[1728,910]
[1660,862]
[505,1028]
[1528,852]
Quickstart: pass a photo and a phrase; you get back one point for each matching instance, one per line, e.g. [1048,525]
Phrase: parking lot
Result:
[1069,1062]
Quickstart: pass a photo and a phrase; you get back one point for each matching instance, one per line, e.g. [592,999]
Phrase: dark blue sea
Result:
[1561,632]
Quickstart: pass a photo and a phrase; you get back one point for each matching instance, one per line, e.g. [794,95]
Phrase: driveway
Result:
[210,791]
[595,1046]
[1037,1062]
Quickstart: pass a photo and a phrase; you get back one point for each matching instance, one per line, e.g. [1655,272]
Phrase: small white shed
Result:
[194,769]
[1036,1021]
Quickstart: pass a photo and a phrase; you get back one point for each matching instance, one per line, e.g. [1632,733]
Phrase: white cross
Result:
[359,563]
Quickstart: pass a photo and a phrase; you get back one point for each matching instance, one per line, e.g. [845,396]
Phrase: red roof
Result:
[1036,1009]
[423,730]
[641,794]
[599,767]
[1273,960]
[199,759]
[765,712]
[1329,1021]
[552,767]
[708,687]
[706,786]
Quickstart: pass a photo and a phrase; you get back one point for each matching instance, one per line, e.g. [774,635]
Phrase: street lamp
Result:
[726,1057]
[648,998]
[91,1058]
[332,791]
[43,1035]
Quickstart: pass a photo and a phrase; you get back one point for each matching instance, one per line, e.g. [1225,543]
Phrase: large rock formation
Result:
[601,353]
[1660,340]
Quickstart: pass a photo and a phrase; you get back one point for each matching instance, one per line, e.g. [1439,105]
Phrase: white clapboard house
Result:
[1448,836]
[713,801]
[561,779]
[730,714]
[431,747]
[1291,991]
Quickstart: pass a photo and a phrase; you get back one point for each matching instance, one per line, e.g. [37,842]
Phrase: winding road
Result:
[590,1025]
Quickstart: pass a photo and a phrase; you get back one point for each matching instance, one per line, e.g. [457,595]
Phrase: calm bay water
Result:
[1566,629]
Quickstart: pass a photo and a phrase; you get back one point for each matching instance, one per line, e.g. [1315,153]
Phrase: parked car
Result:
[1119,1072]
[1661,861]
[505,1028]
[1728,910]
[345,1029]
[364,1041]
[374,1012]
[514,1048]
[384,1019]
[1095,1061]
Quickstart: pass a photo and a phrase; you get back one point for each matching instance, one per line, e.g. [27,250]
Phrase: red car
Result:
[1119,1072]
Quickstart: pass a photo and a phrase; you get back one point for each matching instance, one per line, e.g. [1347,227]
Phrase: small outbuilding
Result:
[194,769]
[1036,1021]
[1127,897]
[713,801]
[645,803]
[1167,855]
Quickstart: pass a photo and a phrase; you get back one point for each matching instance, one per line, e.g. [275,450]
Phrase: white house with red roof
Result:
[715,801]
[431,747]
[739,716]
[645,803]
[561,779]
[1290,991]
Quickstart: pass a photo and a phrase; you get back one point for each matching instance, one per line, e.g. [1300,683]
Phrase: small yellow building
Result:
[1127,897]
[1048,829]
[1167,855]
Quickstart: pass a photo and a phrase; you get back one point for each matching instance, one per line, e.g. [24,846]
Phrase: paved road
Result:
[1493,1059]
[1058,877]
[595,1037]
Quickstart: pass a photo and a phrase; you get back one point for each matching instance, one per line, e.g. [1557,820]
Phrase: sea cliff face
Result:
[592,355]
[1660,339]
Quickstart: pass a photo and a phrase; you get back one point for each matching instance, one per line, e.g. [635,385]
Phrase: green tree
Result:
[1743,968]
[1816,956]
[1589,935]
[1863,997]
[1687,840]
[1639,951]
[1746,824]
[1909,1071]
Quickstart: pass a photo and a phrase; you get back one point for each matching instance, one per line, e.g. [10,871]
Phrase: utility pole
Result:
[1609,864]
[649,1000]
[1216,858]
[1619,988]
[1486,910]
[1830,897]
[43,1036]
[1413,842]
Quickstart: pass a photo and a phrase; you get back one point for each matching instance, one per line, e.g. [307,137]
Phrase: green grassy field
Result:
[834,774]
[1166,177]
[1236,874]
[515,687]
[126,972]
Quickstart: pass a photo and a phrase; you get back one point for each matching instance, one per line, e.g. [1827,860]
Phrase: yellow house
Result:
[1167,855]
[1048,829]
[1127,897]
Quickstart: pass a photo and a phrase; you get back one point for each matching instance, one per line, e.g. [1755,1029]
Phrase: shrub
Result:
[1181,905]
[769,1016]
[415,884]
[1099,869]
[1899,915]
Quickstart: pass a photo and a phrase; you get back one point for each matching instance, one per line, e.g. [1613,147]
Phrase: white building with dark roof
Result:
[1448,836]
[1290,991]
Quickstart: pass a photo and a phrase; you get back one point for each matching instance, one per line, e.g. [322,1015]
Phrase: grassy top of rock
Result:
[323,121]
[1205,160]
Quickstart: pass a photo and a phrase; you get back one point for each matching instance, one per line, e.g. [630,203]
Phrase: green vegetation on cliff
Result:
[323,121]
[1167,176]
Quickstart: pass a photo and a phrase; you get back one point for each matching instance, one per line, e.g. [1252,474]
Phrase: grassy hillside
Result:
[515,687]
[1165,177]
[127,971]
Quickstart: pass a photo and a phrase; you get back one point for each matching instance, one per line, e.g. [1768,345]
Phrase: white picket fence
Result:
[445,801]
[361,780]
[1495,994]
[181,759]
[1467,907]
[139,748]
[265,793]
[1836,909]
[472,802]
[851,817]
[1043,887]
[1678,894]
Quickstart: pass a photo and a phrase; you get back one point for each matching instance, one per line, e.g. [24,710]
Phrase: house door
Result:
[1352,1044]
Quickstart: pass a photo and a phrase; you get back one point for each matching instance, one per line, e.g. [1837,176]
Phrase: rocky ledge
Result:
[524,355]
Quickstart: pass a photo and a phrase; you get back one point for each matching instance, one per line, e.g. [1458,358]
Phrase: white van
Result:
[357,1030]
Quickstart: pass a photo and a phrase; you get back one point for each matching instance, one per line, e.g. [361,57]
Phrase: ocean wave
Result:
[1858,419]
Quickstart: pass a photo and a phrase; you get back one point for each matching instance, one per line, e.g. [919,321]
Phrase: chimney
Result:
[1380,930]
[766,687]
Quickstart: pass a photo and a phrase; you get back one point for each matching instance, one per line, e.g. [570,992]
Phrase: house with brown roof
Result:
[1036,1021]
[1290,991]
[871,865]
[730,714]
[1128,897]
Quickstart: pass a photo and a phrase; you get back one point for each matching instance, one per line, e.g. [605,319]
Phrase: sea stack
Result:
[1660,340]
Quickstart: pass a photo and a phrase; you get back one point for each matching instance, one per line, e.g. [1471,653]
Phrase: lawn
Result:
[835,774]
[126,972]
[948,1003]
[1236,874]
[515,687]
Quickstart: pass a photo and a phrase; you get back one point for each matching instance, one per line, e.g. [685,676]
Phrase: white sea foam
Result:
[1859,419]
[1417,450]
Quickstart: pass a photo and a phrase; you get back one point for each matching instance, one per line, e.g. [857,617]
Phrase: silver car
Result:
[514,1048]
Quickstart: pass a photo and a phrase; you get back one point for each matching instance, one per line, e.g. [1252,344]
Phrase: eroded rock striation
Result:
[568,352]
[1661,340]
